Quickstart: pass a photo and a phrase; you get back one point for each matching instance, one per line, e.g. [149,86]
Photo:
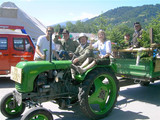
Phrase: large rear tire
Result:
[98,93]
[10,108]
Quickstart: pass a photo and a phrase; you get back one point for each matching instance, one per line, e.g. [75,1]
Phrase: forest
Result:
[147,15]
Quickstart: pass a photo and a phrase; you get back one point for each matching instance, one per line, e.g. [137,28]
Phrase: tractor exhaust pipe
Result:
[50,45]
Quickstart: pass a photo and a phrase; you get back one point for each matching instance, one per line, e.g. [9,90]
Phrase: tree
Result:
[71,27]
[57,28]
[100,23]
[155,24]
[116,35]
[80,26]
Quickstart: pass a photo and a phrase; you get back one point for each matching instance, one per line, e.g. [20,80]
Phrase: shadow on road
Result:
[149,94]
[5,82]
[73,114]
[116,114]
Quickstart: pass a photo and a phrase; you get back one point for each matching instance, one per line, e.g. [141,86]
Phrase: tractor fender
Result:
[80,78]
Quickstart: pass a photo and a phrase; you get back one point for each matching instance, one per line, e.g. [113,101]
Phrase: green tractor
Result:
[36,82]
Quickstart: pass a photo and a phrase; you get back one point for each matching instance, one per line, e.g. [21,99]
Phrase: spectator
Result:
[68,45]
[126,43]
[136,35]
[127,39]
[44,43]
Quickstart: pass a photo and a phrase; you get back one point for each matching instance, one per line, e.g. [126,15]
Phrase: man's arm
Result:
[56,40]
[77,51]
[39,52]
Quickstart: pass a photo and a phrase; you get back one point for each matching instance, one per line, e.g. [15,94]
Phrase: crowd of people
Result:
[84,55]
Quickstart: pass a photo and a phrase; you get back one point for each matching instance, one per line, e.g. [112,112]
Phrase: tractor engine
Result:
[56,84]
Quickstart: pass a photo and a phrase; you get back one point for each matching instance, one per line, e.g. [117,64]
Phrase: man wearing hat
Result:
[137,34]
[68,45]
[82,52]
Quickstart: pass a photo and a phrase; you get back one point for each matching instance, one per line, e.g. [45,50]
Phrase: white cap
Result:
[82,35]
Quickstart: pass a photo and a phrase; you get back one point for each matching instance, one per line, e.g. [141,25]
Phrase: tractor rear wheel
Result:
[98,93]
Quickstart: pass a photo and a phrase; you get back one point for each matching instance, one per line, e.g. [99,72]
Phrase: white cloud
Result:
[71,14]
[83,16]
[27,0]
[70,17]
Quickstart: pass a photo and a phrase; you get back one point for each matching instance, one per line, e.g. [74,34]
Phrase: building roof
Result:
[12,15]
[9,31]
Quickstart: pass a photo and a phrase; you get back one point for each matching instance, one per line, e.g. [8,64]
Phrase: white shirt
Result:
[43,43]
[104,48]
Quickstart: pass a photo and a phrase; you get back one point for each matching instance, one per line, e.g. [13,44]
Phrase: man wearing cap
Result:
[82,52]
[68,45]
[137,34]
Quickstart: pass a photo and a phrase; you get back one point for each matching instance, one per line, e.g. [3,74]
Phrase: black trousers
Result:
[102,61]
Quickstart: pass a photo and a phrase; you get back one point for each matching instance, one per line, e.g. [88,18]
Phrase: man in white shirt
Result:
[43,43]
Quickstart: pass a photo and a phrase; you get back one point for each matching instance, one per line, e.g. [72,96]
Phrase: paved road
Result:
[134,103]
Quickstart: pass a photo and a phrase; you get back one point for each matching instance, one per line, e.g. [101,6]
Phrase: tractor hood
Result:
[31,69]
[44,64]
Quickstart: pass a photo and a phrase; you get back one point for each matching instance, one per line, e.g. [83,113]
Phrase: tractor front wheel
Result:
[10,108]
[37,113]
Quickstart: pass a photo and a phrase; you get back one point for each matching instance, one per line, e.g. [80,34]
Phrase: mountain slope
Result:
[129,15]
[73,22]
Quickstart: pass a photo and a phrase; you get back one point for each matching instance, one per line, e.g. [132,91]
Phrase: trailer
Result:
[129,64]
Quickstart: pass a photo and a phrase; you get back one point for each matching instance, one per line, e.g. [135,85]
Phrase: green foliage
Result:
[78,27]
[71,27]
[125,17]
[119,16]
[145,40]
[100,23]
[145,55]
[116,35]
[155,24]
[57,27]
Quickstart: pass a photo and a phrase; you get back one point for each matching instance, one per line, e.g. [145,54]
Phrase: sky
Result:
[51,12]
